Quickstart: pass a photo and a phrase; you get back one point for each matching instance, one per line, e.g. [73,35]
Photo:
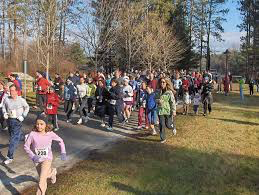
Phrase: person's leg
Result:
[82,111]
[168,121]
[162,127]
[209,108]
[90,104]
[119,111]
[15,129]
[111,112]
[44,170]
[205,106]
[140,115]
[55,121]
[69,109]
[146,118]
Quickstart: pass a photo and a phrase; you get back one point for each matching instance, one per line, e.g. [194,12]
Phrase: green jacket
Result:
[166,103]
[91,90]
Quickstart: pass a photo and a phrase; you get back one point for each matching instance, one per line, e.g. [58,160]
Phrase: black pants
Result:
[112,110]
[90,104]
[165,121]
[251,90]
[68,107]
[54,120]
[3,122]
[41,101]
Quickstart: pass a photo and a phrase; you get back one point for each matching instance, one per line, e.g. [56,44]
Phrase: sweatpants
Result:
[141,112]
[112,110]
[15,132]
[41,101]
[165,121]
[54,120]
[44,171]
[83,105]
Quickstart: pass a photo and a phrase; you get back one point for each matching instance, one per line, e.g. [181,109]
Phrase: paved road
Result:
[79,141]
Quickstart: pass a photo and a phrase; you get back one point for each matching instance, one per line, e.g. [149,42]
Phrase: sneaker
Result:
[154,132]
[204,114]
[80,121]
[103,125]
[8,161]
[69,120]
[163,141]
[54,176]
[56,129]
[5,129]
[139,127]
[174,131]
[147,127]
[109,128]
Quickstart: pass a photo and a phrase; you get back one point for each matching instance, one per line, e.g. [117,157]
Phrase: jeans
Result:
[241,94]
[140,116]
[112,110]
[15,131]
[165,121]
[152,115]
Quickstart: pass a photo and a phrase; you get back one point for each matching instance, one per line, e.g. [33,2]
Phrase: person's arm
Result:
[27,146]
[60,141]
[26,108]
[172,104]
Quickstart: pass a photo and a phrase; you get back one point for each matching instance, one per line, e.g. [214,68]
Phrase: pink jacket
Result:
[40,145]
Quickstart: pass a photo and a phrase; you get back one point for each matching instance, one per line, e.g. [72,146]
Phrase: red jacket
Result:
[42,86]
[186,85]
[17,84]
[52,103]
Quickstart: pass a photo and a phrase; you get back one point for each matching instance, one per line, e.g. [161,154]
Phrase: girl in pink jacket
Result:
[38,147]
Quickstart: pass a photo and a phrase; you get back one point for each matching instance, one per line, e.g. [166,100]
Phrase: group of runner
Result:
[155,95]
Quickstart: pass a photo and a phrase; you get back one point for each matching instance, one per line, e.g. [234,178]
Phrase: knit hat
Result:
[42,117]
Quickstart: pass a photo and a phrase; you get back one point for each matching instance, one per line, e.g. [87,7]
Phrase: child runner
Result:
[142,105]
[3,96]
[196,102]
[52,107]
[151,108]
[186,102]
[38,147]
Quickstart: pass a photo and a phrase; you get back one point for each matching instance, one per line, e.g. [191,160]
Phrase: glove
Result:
[63,156]
[20,118]
[6,116]
[35,159]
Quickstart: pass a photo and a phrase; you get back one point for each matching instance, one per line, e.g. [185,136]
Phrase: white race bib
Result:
[42,152]
[49,107]
[73,107]
[39,88]
[12,114]
[113,102]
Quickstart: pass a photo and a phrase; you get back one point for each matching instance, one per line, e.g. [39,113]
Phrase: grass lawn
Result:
[218,154]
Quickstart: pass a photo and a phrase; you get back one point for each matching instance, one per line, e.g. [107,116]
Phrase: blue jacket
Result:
[142,97]
[70,92]
[151,101]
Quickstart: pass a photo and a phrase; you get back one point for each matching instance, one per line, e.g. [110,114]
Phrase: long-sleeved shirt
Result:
[3,96]
[40,145]
[15,107]
[82,90]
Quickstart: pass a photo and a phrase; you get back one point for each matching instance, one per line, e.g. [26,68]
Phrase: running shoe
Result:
[8,161]
[54,176]
[69,120]
[154,132]
[139,127]
[163,141]
[174,131]
[109,128]
[56,129]
[80,121]
[103,125]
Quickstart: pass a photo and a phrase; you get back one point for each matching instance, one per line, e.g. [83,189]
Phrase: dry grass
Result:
[213,155]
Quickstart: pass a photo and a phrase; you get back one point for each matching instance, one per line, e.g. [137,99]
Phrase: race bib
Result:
[42,152]
[49,106]
[39,88]
[144,103]
[13,114]
[113,102]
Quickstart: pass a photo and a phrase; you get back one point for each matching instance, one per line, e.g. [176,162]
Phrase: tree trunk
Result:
[208,34]
[190,20]
[3,30]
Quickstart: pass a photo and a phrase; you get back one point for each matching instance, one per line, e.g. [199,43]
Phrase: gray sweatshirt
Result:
[15,108]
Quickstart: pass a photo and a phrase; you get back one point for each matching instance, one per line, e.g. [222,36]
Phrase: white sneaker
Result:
[154,132]
[80,121]
[109,128]
[174,131]
[56,129]
[54,176]
[163,141]
[139,127]
[69,120]
[103,125]
[5,129]
[8,161]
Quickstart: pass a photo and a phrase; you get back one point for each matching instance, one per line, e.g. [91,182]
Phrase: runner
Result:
[52,105]
[128,99]
[82,91]
[196,103]
[91,88]
[3,96]
[207,96]
[15,109]
[38,147]
[166,108]
[16,83]
[101,96]
[142,104]
[151,108]
[58,82]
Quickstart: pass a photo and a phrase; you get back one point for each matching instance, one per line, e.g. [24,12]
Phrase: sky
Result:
[231,34]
